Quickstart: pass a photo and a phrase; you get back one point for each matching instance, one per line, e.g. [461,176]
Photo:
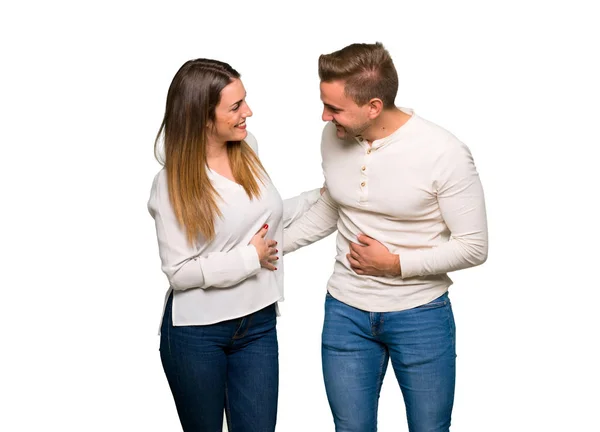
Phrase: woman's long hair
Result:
[193,96]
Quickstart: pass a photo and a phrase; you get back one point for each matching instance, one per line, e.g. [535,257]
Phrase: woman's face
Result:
[230,114]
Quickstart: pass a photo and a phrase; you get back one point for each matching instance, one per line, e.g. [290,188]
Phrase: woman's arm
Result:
[182,263]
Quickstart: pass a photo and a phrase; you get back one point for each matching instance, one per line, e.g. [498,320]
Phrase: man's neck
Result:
[388,122]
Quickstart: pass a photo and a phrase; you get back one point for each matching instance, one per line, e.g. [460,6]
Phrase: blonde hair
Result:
[192,99]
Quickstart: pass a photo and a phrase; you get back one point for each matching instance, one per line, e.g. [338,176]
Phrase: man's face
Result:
[350,119]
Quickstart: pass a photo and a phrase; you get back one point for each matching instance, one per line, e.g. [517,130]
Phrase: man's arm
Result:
[295,207]
[462,205]
[317,223]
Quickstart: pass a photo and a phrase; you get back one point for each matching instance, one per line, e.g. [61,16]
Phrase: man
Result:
[408,204]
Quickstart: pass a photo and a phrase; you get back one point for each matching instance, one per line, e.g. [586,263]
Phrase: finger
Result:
[271,243]
[355,255]
[268,265]
[263,231]
[353,263]
[364,239]
[272,251]
[354,247]
[272,258]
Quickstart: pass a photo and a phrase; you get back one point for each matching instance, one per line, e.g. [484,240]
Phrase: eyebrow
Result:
[238,102]
[331,107]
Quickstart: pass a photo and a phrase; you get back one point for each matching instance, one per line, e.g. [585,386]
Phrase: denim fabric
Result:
[421,345]
[231,365]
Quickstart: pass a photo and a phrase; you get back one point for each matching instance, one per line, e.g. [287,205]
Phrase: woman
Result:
[219,222]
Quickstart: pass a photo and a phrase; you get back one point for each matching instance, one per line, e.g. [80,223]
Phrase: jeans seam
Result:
[227,409]
[379,384]
[452,327]
[169,325]
[245,330]
[433,305]
[372,323]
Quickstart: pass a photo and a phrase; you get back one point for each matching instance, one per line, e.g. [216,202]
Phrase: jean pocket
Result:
[441,301]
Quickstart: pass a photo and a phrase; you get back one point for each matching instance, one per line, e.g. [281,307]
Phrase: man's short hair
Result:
[367,69]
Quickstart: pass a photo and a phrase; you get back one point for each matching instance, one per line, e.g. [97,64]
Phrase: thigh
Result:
[354,364]
[421,343]
[253,374]
[195,365]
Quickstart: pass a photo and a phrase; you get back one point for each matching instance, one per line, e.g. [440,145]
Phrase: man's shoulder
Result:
[329,132]
[431,129]
[435,136]
[329,140]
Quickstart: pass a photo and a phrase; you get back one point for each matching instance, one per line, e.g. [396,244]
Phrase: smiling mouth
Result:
[241,124]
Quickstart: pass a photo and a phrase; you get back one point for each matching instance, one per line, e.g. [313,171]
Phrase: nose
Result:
[326,116]
[247,112]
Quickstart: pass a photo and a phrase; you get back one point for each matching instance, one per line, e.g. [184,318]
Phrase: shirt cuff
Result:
[410,263]
[250,259]
[314,195]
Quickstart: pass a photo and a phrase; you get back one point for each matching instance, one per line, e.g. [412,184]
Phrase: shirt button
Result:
[360,139]
[363,168]
[363,184]
[369,151]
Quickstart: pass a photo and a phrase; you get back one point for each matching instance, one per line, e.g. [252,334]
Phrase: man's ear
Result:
[375,108]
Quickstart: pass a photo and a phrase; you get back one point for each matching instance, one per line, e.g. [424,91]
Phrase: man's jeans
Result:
[357,346]
[232,364]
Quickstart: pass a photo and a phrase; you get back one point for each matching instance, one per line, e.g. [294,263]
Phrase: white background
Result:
[83,87]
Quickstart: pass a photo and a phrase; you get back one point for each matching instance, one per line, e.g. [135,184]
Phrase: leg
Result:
[253,374]
[421,342]
[195,365]
[354,364]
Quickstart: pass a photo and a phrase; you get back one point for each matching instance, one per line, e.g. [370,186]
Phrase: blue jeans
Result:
[231,365]
[357,346]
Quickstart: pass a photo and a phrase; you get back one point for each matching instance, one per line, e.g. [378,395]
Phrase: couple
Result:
[408,205]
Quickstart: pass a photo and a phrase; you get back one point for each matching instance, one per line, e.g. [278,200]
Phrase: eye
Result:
[236,107]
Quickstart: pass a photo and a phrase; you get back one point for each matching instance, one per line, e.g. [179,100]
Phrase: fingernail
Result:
[276,258]
[276,250]
[275,242]
[275,268]
[266,226]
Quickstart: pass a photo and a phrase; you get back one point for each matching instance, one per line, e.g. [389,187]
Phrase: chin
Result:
[239,136]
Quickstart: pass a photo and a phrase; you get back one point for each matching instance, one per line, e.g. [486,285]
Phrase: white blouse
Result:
[222,279]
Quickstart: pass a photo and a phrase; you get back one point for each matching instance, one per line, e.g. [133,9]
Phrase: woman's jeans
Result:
[356,348]
[231,365]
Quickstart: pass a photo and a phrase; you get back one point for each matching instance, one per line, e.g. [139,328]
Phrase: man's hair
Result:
[367,69]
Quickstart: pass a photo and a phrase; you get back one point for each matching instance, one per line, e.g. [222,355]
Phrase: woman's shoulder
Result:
[251,141]
[159,183]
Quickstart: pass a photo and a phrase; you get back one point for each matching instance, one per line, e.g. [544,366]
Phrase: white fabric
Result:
[416,191]
[222,279]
